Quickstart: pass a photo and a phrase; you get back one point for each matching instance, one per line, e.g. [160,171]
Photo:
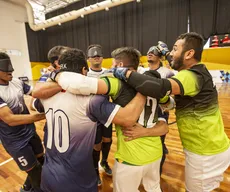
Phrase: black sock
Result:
[105,150]
[27,185]
[96,158]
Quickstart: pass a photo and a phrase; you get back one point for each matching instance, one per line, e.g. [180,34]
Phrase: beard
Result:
[178,62]
[150,61]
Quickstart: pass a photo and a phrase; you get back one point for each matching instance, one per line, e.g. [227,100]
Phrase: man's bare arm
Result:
[138,131]
[44,90]
[129,115]
[11,119]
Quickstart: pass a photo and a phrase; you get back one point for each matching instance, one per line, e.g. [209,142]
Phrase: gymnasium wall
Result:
[216,59]
[13,37]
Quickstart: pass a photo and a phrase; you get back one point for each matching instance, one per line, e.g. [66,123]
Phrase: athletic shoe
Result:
[23,190]
[107,169]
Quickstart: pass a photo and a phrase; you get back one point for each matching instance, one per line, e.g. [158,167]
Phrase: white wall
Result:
[13,36]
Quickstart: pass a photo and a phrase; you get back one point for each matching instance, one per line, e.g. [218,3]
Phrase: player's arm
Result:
[100,109]
[138,131]
[147,85]
[11,119]
[74,83]
[129,115]
[79,84]
[45,90]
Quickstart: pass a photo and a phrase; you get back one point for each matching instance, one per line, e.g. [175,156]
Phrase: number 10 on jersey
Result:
[58,130]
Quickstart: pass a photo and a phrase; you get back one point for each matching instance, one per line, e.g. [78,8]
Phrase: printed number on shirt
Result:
[23,161]
[147,117]
[58,130]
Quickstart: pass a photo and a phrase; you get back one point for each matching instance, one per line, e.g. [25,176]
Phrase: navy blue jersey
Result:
[15,138]
[71,121]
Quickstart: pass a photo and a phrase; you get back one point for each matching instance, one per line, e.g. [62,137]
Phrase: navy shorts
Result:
[26,157]
[102,131]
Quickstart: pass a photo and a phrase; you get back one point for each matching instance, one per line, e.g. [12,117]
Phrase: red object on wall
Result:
[215,41]
[226,39]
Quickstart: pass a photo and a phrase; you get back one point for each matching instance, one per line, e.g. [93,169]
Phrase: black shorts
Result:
[103,131]
[26,157]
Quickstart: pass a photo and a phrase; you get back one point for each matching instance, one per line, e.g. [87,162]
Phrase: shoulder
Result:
[16,83]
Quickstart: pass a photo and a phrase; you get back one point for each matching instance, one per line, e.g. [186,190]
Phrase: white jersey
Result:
[95,74]
[72,121]
[164,71]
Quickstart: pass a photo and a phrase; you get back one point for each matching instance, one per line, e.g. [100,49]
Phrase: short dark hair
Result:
[128,54]
[193,41]
[74,59]
[93,45]
[4,56]
[55,52]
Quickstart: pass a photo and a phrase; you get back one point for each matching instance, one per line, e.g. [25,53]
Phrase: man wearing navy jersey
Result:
[17,129]
[103,139]
[72,122]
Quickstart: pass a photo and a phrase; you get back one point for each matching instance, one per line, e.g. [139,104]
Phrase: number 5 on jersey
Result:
[58,130]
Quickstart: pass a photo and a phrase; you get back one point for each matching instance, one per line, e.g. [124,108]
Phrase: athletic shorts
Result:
[26,157]
[205,172]
[103,131]
[127,178]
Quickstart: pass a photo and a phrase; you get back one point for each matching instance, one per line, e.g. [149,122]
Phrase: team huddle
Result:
[81,103]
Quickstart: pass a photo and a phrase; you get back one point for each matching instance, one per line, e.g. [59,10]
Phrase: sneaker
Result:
[23,190]
[106,168]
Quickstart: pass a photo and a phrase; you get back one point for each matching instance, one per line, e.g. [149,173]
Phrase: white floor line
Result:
[4,162]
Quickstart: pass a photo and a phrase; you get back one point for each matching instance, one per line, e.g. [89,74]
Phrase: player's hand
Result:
[53,75]
[163,48]
[134,132]
[50,69]
[120,73]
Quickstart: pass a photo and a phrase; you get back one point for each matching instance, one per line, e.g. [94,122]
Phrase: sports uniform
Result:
[137,160]
[205,143]
[17,139]
[71,135]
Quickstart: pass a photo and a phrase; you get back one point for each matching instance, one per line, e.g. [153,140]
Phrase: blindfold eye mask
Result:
[6,66]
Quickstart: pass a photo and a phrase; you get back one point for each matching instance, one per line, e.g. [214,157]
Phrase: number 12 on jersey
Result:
[58,130]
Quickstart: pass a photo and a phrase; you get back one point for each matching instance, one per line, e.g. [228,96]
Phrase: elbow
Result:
[36,93]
